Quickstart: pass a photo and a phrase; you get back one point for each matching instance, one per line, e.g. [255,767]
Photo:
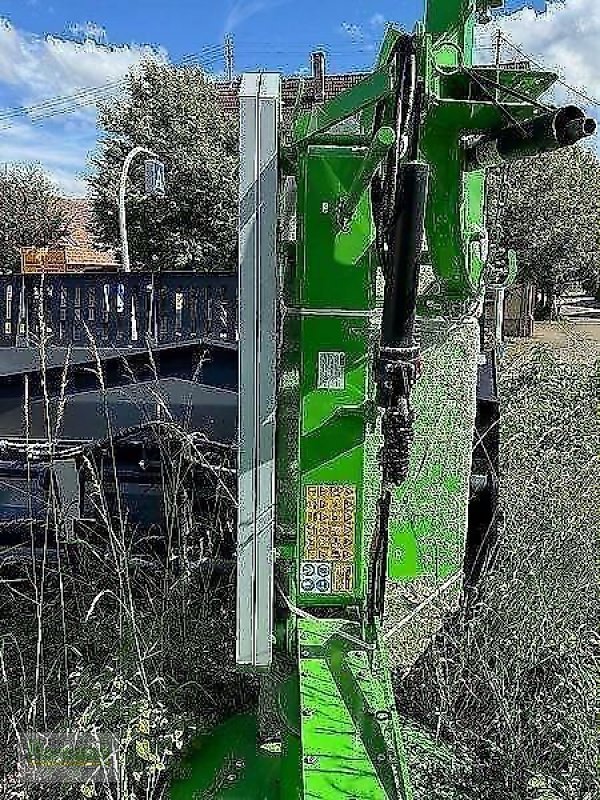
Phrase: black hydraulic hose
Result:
[406,242]
[379,550]
[384,192]
[399,202]
[543,133]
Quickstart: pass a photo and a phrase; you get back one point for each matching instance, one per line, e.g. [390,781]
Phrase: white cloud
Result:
[354,31]
[35,69]
[377,21]
[88,30]
[41,67]
[565,37]
[241,10]
[62,153]
[365,36]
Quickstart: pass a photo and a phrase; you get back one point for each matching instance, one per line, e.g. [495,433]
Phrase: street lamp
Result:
[122,212]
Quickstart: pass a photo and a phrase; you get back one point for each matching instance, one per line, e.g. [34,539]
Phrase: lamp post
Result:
[122,212]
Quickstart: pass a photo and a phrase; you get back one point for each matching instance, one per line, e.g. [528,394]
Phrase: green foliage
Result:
[31,212]
[551,217]
[176,112]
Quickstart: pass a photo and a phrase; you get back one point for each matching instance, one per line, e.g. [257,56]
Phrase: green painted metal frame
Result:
[333,301]
[341,736]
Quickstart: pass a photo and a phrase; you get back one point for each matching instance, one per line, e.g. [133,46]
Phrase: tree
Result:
[32,214]
[551,218]
[177,113]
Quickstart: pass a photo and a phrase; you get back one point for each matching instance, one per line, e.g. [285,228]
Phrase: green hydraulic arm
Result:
[349,475]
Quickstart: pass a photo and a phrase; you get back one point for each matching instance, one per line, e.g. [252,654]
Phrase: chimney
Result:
[318,73]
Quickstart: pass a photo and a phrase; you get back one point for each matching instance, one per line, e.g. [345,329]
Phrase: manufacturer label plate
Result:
[332,373]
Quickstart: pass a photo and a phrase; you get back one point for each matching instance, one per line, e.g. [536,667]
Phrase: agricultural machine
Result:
[363,386]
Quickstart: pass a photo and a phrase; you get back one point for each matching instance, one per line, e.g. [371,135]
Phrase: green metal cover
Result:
[335,300]
[351,743]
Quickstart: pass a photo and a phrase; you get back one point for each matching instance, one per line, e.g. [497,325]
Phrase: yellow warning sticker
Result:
[330,530]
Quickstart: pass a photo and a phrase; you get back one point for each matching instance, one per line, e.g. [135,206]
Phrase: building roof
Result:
[80,248]
[296,91]
[292,86]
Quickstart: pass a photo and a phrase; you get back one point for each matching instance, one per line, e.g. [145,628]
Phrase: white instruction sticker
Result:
[332,371]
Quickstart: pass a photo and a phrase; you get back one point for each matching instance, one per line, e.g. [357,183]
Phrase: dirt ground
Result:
[566,330]
[574,341]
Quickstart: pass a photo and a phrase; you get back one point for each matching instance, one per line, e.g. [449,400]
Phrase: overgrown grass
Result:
[106,632]
[116,632]
[512,686]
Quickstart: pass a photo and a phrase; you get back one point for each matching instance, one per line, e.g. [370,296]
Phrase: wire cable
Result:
[90,92]
[588,99]
[300,612]
[66,104]
[207,58]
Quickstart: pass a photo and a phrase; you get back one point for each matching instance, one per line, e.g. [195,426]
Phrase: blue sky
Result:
[262,27]
[51,48]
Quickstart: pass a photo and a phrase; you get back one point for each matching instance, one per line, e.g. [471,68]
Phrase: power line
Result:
[69,103]
[78,101]
[85,96]
[207,57]
[590,100]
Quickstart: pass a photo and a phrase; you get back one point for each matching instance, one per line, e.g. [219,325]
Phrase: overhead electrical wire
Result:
[67,104]
[35,116]
[193,57]
[582,95]
[207,57]
[88,96]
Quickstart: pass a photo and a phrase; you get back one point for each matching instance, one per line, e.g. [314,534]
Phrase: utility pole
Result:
[229,57]
[498,54]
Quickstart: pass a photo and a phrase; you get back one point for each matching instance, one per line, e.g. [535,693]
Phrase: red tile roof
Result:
[295,90]
[79,245]
[74,252]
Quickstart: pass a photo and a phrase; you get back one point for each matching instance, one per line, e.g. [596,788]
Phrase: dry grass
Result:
[110,633]
[511,687]
[117,630]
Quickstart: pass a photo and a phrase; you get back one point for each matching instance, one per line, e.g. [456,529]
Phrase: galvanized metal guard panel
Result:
[259,133]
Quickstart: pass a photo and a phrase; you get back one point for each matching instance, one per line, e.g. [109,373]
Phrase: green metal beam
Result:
[351,745]
[380,146]
[376,87]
